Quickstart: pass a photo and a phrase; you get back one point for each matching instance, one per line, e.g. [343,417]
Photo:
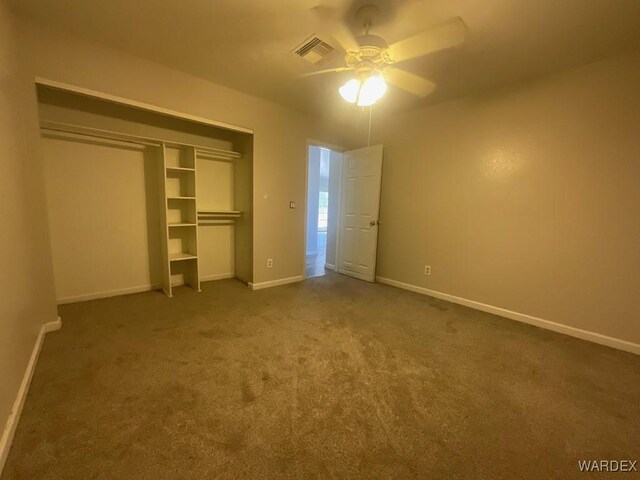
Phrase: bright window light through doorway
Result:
[323,211]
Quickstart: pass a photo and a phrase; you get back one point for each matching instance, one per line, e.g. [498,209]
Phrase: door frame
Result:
[336,148]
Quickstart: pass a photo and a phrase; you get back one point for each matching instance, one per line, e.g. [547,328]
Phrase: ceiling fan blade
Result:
[440,38]
[328,70]
[410,82]
[330,23]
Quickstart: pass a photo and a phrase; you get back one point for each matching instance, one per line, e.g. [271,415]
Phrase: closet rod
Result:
[216,156]
[98,132]
[219,212]
[103,138]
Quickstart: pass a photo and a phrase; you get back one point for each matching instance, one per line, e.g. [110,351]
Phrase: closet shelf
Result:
[174,257]
[204,215]
[182,224]
[181,198]
[180,169]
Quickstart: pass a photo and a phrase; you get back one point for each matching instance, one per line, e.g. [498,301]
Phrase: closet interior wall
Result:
[106,198]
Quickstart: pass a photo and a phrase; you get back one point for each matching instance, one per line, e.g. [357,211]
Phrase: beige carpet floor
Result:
[330,378]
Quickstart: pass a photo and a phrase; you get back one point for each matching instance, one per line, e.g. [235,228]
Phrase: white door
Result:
[360,205]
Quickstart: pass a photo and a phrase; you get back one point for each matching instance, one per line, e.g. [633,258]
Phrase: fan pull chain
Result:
[369,136]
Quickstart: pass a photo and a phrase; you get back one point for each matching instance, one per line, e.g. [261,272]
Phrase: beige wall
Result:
[215,191]
[280,133]
[527,198]
[102,204]
[27,298]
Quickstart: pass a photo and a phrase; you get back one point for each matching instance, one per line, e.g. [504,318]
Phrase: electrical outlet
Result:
[269,262]
[427,269]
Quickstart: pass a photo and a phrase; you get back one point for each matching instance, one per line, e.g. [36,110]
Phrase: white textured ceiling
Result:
[246,44]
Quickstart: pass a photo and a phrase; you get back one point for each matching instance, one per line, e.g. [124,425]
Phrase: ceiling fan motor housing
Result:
[371,56]
[372,41]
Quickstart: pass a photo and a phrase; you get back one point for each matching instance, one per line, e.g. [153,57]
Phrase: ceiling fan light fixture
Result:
[350,91]
[364,93]
[372,90]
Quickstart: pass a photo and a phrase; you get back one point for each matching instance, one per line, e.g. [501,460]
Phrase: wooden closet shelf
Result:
[181,256]
[182,224]
[181,198]
[180,169]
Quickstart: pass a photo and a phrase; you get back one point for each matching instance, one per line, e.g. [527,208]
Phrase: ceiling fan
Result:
[373,60]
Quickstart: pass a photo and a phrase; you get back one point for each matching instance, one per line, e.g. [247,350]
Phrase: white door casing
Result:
[360,206]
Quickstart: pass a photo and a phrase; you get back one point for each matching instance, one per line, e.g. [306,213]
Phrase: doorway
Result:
[323,201]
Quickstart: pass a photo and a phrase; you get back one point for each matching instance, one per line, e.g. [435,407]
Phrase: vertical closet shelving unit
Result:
[181,218]
[178,216]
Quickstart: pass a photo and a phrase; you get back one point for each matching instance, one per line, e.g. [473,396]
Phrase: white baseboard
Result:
[275,283]
[53,326]
[140,289]
[521,317]
[217,276]
[328,266]
[107,294]
[14,416]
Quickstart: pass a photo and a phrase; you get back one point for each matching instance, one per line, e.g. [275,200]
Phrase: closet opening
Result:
[139,200]
[324,168]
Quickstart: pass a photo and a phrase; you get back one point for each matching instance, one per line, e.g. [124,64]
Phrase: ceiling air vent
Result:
[314,50]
